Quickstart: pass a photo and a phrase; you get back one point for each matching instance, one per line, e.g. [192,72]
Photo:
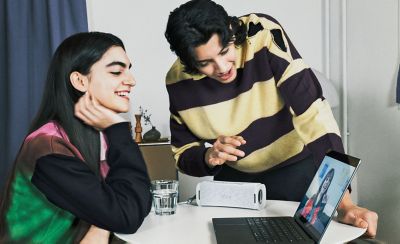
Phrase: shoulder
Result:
[176,74]
[264,31]
[264,27]
[44,144]
[48,139]
[266,21]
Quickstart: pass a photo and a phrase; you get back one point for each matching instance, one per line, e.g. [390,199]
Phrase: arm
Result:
[194,158]
[312,116]
[189,151]
[191,155]
[119,203]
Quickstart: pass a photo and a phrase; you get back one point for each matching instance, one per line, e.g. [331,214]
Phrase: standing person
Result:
[79,174]
[245,107]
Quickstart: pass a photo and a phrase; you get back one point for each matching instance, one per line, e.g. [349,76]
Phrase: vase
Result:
[152,135]
[138,128]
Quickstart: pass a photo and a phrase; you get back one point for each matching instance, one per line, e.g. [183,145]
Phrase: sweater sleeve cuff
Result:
[120,132]
[192,162]
[324,144]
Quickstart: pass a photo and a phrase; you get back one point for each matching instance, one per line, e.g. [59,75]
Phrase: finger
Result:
[372,220]
[80,106]
[361,223]
[83,116]
[216,161]
[96,104]
[350,218]
[230,140]
[83,103]
[241,139]
[83,110]
[226,157]
[215,157]
[371,233]
[90,110]
[231,151]
[89,103]
[96,109]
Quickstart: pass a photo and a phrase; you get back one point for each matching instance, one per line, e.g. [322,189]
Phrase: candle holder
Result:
[138,128]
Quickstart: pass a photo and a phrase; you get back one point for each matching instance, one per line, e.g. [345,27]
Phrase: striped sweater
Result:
[275,103]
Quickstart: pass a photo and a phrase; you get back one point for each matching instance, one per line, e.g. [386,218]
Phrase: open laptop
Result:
[312,217]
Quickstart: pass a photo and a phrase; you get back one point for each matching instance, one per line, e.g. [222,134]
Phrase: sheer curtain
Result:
[30,33]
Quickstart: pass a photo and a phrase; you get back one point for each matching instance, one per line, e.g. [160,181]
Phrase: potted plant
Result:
[153,134]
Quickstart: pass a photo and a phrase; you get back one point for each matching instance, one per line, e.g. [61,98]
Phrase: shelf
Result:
[154,143]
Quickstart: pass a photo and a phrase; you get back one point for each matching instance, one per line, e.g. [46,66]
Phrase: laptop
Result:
[312,217]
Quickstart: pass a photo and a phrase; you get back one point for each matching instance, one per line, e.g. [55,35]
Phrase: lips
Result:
[123,94]
[227,75]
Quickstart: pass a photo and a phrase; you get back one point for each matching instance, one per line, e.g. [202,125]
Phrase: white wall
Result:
[374,119]
[372,63]
[141,26]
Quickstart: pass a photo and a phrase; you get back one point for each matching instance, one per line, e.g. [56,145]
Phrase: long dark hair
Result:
[193,23]
[328,177]
[76,53]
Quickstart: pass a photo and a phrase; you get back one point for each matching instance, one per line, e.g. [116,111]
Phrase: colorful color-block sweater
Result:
[275,103]
[54,196]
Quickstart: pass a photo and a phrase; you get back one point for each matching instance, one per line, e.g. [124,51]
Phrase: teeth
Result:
[122,94]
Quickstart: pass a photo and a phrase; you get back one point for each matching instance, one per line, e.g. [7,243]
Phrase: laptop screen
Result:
[325,192]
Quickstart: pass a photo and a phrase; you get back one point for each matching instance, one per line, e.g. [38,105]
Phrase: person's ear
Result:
[79,81]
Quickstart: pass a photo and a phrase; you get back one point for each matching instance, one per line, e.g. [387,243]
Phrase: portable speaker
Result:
[231,194]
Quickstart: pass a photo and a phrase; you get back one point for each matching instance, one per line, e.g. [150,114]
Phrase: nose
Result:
[221,65]
[130,80]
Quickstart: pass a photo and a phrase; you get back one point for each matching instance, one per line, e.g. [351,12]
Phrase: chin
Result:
[123,110]
[120,109]
[227,81]
[232,78]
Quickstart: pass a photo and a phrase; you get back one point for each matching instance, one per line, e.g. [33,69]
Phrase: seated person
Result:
[245,107]
[79,174]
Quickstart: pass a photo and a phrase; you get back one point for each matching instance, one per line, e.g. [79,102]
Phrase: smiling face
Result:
[216,61]
[110,80]
[326,183]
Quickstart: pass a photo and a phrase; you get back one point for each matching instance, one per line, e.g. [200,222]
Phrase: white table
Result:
[193,224]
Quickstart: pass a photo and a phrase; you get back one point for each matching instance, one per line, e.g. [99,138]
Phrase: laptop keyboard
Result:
[270,230]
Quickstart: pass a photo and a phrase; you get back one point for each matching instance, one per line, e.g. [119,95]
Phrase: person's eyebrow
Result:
[206,60]
[122,64]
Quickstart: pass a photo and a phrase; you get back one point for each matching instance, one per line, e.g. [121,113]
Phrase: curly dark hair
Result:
[193,24]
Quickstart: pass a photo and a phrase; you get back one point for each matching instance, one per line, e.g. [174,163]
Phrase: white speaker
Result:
[231,194]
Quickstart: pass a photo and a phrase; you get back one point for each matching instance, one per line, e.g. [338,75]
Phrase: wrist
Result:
[346,202]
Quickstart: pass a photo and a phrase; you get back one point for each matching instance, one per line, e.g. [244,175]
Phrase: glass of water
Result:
[165,196]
